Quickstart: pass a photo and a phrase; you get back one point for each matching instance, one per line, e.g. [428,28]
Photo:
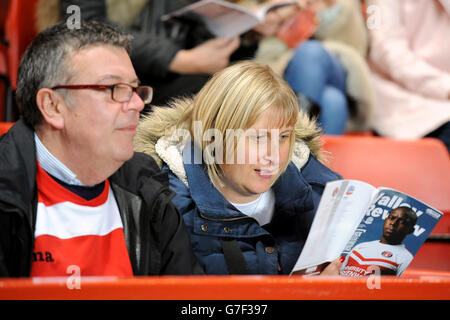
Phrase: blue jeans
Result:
[318,75]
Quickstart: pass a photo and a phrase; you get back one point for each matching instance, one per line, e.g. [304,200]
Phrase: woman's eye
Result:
[259,138]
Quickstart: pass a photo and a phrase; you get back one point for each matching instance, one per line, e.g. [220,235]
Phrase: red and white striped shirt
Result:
[72,231]
[390,259]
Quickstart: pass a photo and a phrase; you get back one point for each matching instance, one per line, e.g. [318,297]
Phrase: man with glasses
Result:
[73,194]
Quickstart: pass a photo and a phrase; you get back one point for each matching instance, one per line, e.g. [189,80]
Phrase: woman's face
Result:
[261,153]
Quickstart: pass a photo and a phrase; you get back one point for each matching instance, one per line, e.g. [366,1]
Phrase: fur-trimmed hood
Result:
[154,137]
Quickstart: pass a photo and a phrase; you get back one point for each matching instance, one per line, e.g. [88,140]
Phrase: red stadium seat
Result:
[4,127]
[19,32]
[5,89]
[4,5]
[412,285]
[420,168]
[433,255]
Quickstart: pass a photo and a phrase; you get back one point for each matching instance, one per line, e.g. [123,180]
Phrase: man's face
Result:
[98,128]
[397,226]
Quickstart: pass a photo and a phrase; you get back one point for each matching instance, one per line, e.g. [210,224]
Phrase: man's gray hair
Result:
[44,64]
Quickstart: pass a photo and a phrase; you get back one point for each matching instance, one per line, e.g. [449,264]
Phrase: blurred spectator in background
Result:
[410,60]
[175,57]
[328,72]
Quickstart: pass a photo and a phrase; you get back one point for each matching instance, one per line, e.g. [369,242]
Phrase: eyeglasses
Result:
[120,92]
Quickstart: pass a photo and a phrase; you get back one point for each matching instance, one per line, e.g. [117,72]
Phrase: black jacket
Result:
[155,234]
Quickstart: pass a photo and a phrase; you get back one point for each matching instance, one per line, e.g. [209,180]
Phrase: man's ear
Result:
[51,104]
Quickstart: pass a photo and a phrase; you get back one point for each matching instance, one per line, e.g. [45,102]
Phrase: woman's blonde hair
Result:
[233,99]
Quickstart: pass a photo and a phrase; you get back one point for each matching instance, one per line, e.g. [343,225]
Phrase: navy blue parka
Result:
[270,249]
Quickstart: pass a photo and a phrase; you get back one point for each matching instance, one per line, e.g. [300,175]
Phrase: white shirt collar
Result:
[53,166]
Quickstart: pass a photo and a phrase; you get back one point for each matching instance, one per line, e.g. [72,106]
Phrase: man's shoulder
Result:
[141,159]
[17,164]
[17,148]
[19,134]
[139,170]
[404,251]
[367,244]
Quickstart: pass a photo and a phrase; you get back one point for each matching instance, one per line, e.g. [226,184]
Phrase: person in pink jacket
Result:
[410,63]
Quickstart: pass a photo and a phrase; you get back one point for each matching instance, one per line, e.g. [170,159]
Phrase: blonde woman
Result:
[246,169]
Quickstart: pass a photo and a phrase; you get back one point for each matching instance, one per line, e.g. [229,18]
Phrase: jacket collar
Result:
[18,169]
[208,199]
[18,150]
[292,192]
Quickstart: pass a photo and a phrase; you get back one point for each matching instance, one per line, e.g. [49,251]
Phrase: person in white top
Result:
[410,68]
[389,253]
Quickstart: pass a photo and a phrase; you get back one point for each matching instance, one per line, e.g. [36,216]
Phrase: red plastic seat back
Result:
[4,76]
[4,80]
[4,4]
[420,168]
[20,30]
[4,127]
